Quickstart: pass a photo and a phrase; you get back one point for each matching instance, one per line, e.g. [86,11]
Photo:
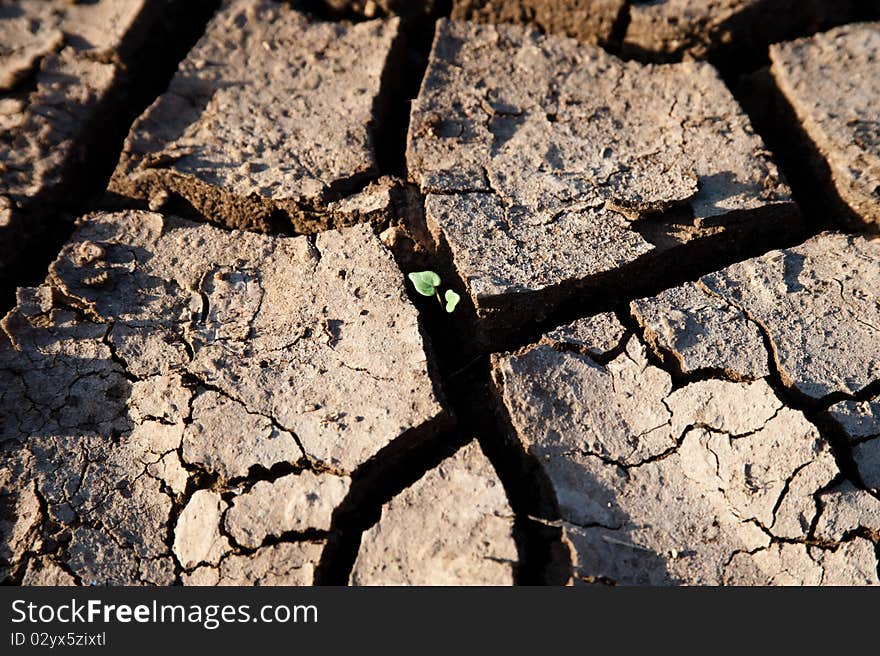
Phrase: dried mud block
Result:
[597,336]
[867,457]
[286,563]
[847,511]
[268,121]
[45,572]
[726,31]
[714,479]
[590,21]
[852,563]
[289,504]
[859,420]
[43,130]
[555,170]
[211,532]
[33,29]
[831,81]
[700,333]
[161,352]
[20,516]
[61,67]
[452,527]
[815,304]
[197,537]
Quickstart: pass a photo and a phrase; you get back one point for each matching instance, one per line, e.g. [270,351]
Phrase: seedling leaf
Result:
[452,300]
[425,282]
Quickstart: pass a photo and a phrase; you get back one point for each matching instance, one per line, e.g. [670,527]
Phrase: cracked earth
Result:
[661,217]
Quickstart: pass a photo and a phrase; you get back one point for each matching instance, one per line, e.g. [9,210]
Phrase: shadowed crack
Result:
[395,467]
[463,367]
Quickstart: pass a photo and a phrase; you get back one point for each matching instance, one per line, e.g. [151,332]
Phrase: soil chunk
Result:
[269,119]
[832,82]
[452,527]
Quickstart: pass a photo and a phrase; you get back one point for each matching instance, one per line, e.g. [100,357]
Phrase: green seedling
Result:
[452,300]
[427,283]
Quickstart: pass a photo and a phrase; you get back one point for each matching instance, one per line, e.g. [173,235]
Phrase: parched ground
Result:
[661,219]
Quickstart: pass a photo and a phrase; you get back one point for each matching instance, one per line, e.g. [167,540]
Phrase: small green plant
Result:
[427,283]
[452,300]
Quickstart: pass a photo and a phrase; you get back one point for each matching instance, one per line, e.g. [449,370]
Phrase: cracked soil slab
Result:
[816,305]
[590,21]
[813,305]
[451,527]
[667,30]
[704,474]
[286,563]
[832,82]
[160,353]
[859,422]
[294,503]
[60,67]
[33,29]
[528,147]
[269,119]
